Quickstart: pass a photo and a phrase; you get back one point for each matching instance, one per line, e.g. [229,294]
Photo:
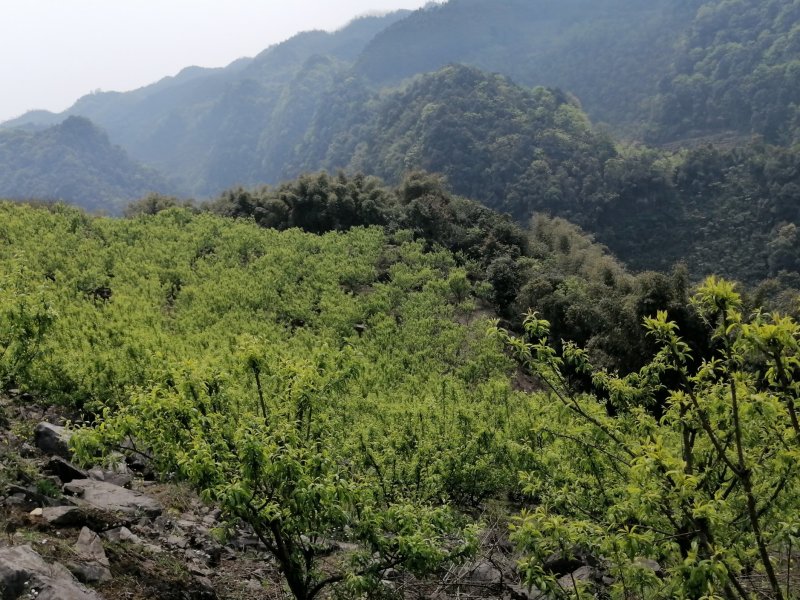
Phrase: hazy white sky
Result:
[54,51]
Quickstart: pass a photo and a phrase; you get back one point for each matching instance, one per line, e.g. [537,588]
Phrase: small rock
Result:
[52,439]
[122,534]
[27,451]
[200,570]
[202,531]
[562,563]
[137,461]
[522,592]
[92,565]
[584,574]
[96,473]
[207,588]
[214,552]
[245,542]
[485,572]
[36,512]
[177,541]
[21,500]
[64,470]
[64,516]
[121,479]
[163,523]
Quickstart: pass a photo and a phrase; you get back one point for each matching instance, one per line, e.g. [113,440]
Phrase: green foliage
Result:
[25,317]
[153,204]
[320,388]
[610,53]
[587,295]
[737,68]
[720,211]
[533,151]
[514,149]
[708,489]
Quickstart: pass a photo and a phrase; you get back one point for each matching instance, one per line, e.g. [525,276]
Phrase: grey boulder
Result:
[52,439]
[25,574]
[113,498]
[92,564]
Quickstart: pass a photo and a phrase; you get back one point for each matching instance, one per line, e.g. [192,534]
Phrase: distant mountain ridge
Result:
[172,124]
[642,66]
[364,99]
[610,53]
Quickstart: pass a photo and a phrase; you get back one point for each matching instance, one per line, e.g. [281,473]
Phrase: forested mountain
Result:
[610,54]
[202,120]
[681,68]
[485,134]
[336,101]
[664,70]
[521,151]
[73,161]
[434,325]
[551,266]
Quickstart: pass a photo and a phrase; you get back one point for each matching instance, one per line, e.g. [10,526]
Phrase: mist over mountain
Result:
[176,123]
[610,54]
[76,162]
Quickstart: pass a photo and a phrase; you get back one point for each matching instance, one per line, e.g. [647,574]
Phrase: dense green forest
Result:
[585,293]
[737,68]
[73,161]
[349,385]
[678,69]
[343,353]
[610,54]
[522,151]
[519,151]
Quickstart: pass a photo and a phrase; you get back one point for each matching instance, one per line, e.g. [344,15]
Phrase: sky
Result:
[52,52]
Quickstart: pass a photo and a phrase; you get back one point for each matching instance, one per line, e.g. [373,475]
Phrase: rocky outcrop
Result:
[25,574]
[64,470]
[113,498]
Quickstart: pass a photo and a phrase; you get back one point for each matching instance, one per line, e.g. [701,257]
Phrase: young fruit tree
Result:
[691,462]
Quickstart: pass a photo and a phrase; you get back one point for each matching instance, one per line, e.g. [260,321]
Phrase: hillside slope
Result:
[524,151]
